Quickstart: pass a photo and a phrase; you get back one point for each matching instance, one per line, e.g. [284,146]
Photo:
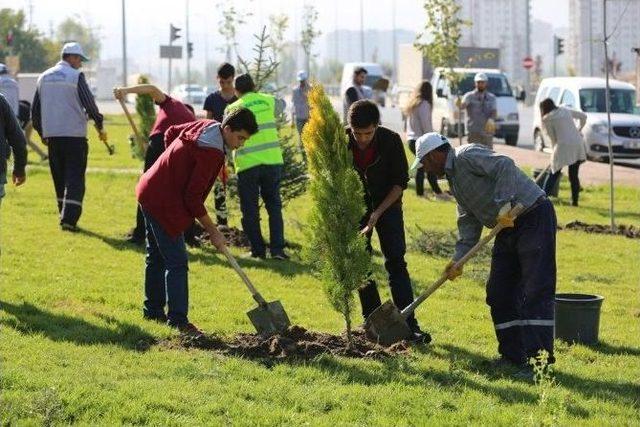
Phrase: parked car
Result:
[588,94]
[375,85]
[190,94]
[445,112]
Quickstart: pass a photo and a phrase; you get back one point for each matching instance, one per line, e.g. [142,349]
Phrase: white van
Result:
[588,94]
[374,75]
[445,112]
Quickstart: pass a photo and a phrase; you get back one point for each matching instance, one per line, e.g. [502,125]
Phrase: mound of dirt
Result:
[296,343]
[629,231]
[233,235]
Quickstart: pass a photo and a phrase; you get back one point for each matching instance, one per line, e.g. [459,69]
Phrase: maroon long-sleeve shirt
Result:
[174,189]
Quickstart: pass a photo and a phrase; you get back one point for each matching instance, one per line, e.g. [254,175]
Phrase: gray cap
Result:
[74,48]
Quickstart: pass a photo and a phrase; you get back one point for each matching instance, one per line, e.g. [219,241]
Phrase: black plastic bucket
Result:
[578,317]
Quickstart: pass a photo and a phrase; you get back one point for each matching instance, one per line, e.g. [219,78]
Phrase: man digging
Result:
[171,195]
[522,281]
[379,159]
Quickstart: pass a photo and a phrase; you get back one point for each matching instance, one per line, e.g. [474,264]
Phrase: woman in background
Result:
[418,113]
[566,142]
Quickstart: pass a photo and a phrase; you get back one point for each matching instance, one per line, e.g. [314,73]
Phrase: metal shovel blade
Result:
[269,318]
[387,325]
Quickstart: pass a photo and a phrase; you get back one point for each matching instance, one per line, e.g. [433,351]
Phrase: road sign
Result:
[171,52]
[528,62]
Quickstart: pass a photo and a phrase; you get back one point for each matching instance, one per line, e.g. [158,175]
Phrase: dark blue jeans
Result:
[166,274]
[522,285]
[262,181]
[390,229]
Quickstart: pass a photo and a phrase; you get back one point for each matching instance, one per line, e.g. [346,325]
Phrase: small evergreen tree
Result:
[146,116]
[338,206]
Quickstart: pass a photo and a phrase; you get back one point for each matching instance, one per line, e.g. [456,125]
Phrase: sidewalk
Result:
[591,173]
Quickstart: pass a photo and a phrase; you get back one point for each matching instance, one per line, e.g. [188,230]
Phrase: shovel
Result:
[388,325]
[141,142]
[269,317]
[110,147]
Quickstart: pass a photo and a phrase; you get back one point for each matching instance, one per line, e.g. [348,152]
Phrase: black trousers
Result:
[522,285]
[390,229]
[433,180]
[574,180]
[68,165]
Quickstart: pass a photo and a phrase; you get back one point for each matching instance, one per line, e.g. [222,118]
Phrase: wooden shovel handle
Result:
[141,142]
[513,213]
[254,292]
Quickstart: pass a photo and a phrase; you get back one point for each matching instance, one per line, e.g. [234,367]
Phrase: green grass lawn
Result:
[71,327]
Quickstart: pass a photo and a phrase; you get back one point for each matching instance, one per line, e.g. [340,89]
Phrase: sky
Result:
[148,20]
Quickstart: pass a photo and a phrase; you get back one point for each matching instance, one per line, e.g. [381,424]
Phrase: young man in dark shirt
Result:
[172,195]
[215,105]
[379,159]
[171,112]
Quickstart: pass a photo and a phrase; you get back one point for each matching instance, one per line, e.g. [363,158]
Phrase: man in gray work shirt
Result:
[481,106]
[59,114]
[522,281]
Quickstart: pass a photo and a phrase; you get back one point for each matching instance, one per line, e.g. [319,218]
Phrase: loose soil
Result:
[296,343]
[629,231]
[233,235]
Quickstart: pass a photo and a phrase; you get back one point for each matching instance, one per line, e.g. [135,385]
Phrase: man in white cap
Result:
[9,88]
[522,281]
[481,110]
[300,101]
[60,108]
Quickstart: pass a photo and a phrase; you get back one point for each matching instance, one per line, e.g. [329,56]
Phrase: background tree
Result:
[228,26]
[309,33]
[338,206]
[278,25]
[440,40]
[27,43]
[262,68]
[73,29]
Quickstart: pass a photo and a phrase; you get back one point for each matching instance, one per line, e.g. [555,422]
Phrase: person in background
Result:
[481,111]
[567,144]
[300,101]
[170,112]
[24,118]
[9,88]
[259,167]
[11,139]
[59,113]
[214,105]
[355,92]
[418,112]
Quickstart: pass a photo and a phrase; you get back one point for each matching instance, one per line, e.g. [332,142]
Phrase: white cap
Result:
[74,48]
[3,68]
[426,143]
[302,75]
[480,77]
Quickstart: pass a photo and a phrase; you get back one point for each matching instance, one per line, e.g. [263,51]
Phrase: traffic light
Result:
[174,33]
[559,46]
[190,50]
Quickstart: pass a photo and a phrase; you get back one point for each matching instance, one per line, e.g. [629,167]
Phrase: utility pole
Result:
[188,49]
[124,45]
[607,101]
[361,32]
[395,42]
[637,51]
[173,35]
[527,76]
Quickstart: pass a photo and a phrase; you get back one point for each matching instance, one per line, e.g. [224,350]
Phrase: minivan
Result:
[445,112]
[588,94]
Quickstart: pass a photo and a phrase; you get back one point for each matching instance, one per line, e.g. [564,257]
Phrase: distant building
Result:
[585,51]
[498,24]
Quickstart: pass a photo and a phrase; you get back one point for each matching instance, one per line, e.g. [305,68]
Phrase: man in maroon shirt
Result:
[171,112]
[171,195]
